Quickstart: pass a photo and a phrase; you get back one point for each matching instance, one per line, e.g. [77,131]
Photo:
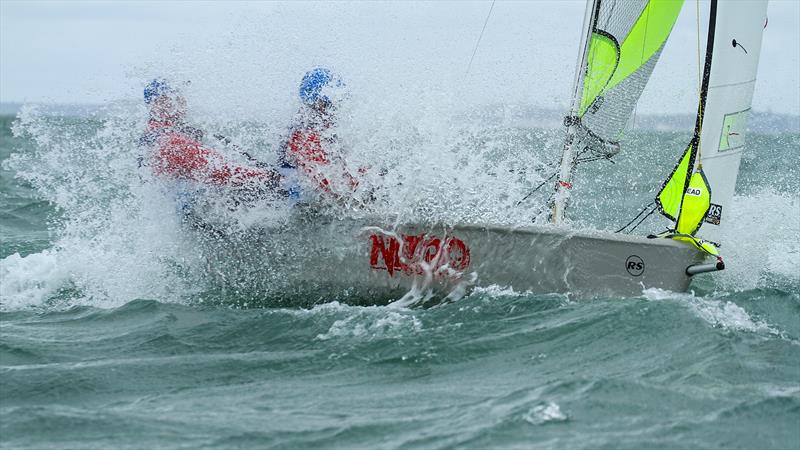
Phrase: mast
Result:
[564,181]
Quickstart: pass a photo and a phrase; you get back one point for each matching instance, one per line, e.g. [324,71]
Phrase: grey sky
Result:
[250,55]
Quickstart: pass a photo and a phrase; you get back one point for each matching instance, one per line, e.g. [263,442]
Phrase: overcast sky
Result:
[248,55]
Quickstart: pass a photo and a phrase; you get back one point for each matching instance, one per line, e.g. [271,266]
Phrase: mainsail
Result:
[738,29]
[623,43]
[727,84]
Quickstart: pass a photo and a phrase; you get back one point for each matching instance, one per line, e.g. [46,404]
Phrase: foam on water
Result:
[499,291]
[719,313]
[545,413]
[370,324]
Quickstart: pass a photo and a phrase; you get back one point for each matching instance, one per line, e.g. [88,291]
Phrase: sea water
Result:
[112,337]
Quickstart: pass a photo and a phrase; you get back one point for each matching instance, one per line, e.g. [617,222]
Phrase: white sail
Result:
[700,190]
[739,27]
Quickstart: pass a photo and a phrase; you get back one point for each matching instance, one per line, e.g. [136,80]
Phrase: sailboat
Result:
[620,45]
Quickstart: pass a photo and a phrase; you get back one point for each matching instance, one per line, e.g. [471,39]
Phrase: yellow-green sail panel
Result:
[700,244]
[671,196]
[645,38]
[601,62]
[696,202]
[686,204]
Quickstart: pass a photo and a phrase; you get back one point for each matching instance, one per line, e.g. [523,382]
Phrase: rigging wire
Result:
[537,188]
[642,220]
[648,206]
[475,50]
[553,175]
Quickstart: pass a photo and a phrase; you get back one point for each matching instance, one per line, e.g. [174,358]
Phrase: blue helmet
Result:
[157,88]
[314,81]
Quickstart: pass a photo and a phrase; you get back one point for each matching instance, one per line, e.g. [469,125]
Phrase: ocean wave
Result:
[718,313]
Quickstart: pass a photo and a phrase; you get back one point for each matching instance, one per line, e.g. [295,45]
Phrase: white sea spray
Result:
[119,238]
[26,281]
[717,312]
[545,413]
[761,241]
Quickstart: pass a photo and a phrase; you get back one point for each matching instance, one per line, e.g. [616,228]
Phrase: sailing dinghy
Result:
[324,258]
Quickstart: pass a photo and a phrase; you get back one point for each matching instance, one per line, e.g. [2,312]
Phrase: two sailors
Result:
[311,152]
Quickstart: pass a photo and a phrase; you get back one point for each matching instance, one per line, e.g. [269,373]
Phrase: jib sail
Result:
[685,196]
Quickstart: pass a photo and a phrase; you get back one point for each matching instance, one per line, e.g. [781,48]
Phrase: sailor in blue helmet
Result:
[167,111]
[316,89]
[176,150]
[312,149]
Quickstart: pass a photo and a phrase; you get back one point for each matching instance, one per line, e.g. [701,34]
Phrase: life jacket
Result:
[309,152]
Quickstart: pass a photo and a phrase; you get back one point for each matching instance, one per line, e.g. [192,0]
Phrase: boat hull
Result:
[359,261]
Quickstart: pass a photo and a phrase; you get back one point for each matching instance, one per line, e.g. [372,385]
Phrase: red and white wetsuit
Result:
[178,154]
[306,150]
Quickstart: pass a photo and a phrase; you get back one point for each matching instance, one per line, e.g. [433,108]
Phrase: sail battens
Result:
[740,83]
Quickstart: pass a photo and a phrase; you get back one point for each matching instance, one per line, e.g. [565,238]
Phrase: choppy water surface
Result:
[111,336]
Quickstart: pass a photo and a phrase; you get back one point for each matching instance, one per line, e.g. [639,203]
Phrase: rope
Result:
[643,219]
[475,50]
[577,161]
[700,70]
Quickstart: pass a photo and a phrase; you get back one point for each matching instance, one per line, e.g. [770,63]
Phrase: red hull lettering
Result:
[418,254]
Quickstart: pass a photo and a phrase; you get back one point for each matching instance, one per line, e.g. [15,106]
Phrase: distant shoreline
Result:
[762,122]
[76,110]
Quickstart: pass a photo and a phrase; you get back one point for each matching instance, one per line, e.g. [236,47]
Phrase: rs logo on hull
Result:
[634,265]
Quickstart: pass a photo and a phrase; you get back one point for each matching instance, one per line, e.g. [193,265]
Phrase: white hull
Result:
[356,261]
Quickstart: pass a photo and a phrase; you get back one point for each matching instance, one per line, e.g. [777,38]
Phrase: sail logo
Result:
[714,215]
[418,254]
[634,265]
[694,192]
